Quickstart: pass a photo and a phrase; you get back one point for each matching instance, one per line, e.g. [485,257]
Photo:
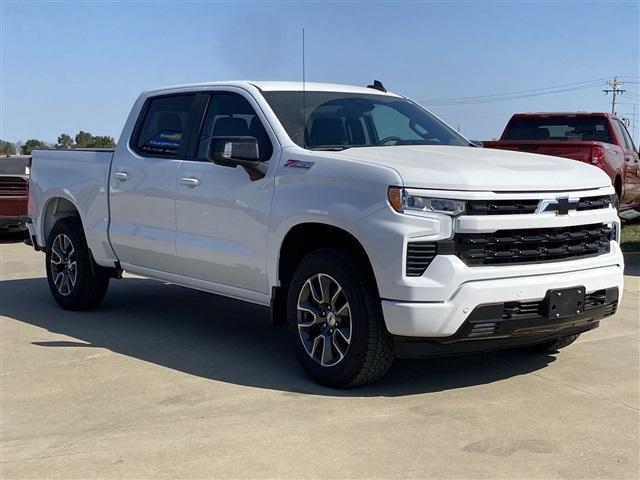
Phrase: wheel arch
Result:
[300,240]
[55,209]
[618,185]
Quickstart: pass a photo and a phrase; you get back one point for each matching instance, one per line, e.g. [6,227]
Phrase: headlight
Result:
[403,202]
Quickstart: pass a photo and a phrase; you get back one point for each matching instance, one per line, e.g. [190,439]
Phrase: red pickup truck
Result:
[600,139]
[14,192]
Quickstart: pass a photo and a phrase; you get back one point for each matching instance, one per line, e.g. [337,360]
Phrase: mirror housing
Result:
[234,151]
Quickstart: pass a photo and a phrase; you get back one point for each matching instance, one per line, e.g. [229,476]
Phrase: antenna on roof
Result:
[304,98]
[377,85]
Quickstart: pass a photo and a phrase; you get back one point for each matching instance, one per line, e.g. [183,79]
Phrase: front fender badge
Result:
[298,164]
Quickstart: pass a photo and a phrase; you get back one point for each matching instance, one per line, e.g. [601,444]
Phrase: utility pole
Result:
[615,90]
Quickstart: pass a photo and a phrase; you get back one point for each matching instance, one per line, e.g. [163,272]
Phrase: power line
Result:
[516,92]
[615,90]
[507,97]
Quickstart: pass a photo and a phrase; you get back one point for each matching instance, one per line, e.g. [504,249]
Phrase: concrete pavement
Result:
[164,382]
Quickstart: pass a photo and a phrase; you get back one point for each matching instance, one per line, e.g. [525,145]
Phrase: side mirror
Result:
[477,143]
[234,151]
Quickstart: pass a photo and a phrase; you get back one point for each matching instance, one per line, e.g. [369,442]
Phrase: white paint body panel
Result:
[225,235]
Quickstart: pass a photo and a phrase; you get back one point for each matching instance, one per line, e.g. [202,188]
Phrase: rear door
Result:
[223,212]
[631,166]
[143,181]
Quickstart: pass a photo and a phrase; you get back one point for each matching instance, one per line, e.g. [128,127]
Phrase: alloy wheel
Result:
[64,268]
[324,320]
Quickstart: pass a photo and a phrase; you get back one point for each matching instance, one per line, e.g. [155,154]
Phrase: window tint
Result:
[162,131]
[391,123]
[336,120]
[559,129]
[231,115]
[618,128]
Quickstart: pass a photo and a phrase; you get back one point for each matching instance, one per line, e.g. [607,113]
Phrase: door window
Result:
[627,137]
[162,131]
[231,115]
[617,126]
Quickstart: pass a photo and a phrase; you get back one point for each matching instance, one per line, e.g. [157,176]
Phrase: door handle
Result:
[190,181]
[122,176]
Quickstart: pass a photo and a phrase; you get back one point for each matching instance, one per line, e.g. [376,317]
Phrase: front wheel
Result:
[335,320]
[75,280]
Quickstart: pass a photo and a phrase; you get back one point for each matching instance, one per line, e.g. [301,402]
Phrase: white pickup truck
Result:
[365,223]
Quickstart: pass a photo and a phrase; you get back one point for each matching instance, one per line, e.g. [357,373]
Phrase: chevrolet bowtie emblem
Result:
[561,205]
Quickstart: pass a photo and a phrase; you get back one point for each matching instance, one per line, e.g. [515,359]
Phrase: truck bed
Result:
[575,150]
[82,178]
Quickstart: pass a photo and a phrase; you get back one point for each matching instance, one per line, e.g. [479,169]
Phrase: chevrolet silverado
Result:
[366,224]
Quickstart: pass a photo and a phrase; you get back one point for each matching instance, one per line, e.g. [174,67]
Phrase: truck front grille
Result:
[594,203]
[513,247]
[533,245]
[501,207]
[524,207]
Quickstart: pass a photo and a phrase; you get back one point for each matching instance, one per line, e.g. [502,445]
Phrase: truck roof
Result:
[563,114]
[273,86]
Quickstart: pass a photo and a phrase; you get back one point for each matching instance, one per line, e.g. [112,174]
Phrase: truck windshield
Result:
[559,128]
[335,121]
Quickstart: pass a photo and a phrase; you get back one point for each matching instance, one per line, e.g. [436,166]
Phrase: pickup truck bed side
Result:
[64,182]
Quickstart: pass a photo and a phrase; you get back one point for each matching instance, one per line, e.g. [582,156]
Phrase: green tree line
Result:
[81,140]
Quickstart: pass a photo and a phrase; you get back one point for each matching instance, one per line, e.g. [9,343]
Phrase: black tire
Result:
[90,281]
[369,354]
[553,345]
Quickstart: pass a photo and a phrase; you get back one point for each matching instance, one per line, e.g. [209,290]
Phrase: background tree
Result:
[65,141]
[83,139]
[31,145]
[103,141]
[7,148]
[86,140]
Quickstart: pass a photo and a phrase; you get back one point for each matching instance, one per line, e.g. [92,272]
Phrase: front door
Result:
[142,185]
[222,212]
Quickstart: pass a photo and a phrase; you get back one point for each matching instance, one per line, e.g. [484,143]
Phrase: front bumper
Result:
[436,303]
[441,319]
[510,324]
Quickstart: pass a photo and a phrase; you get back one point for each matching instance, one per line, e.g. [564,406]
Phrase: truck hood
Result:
[469,168]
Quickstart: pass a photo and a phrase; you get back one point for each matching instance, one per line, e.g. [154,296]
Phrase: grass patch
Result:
[631,237]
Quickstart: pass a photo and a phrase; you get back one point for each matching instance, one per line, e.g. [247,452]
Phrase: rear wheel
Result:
[75,280]
[553,345]
[335,320]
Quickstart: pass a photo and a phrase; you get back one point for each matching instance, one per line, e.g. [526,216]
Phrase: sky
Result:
[79,65]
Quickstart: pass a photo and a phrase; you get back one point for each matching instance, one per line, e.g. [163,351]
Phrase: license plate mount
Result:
[565,302]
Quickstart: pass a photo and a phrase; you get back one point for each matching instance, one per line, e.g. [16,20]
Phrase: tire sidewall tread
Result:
[370,353]
[92,280]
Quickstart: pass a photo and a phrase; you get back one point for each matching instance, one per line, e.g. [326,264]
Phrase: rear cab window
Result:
[559,128]
[162,130]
